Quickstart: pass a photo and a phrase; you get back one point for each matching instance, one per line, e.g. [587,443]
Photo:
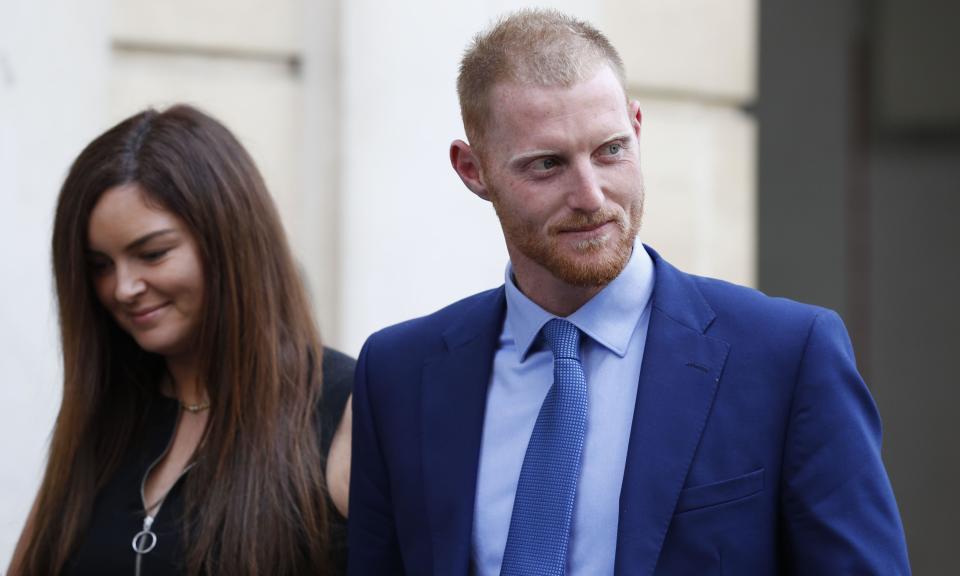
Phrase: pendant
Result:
[145,540]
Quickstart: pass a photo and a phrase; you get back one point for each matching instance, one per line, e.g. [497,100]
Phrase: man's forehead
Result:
[596,102]
[598,71]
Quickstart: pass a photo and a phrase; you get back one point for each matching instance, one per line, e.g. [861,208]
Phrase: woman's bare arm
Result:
[338,461]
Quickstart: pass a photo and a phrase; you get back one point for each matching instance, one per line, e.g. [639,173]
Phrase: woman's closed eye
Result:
[155,255]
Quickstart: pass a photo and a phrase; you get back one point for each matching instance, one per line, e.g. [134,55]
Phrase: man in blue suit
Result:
[603,412]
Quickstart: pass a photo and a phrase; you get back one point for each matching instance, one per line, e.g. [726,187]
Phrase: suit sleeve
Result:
[838,506]
[373,545]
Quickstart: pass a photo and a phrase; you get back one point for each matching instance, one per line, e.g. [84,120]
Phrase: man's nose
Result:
[586,193]
[130,283]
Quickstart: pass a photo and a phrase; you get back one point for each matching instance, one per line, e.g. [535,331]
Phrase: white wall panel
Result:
[413,237]
[258,101]
[271,26]
[53,68]
[320,226]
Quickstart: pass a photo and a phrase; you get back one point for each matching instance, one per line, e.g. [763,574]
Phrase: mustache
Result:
[586,221]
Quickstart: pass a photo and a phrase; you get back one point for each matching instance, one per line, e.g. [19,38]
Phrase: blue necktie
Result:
[543,508]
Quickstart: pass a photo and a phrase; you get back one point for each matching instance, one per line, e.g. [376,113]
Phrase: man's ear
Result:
[635,116]
[467,166]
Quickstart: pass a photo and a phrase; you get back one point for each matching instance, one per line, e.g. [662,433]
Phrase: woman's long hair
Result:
[254,502]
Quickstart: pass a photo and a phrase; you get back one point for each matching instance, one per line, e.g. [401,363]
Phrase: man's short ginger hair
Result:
[534,47]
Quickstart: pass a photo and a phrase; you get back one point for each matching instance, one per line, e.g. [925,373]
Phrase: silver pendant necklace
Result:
[145,540]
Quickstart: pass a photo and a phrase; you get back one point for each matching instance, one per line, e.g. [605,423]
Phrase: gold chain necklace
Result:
[195,408]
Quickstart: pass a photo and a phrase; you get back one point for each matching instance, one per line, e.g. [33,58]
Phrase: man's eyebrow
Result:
[525,157]
[618,136]
[148,237]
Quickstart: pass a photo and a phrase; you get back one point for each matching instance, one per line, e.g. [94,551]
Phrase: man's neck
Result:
[552,294]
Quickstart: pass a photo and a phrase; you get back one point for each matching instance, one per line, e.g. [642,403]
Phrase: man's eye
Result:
[614,148]
[546,164]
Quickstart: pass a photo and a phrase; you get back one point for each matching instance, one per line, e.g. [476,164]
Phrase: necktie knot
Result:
[563,338]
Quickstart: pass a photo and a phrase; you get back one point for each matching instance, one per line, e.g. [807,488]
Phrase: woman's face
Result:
[146,268]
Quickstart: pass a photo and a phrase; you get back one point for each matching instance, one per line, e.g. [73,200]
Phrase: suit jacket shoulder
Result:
[419,338]
[757,325]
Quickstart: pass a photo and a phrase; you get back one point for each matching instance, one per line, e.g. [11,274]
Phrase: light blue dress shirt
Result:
[614,323]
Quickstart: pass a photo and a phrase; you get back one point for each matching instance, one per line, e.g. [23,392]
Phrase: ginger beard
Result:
[592,263]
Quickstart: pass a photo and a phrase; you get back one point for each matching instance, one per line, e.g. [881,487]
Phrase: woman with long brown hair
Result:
[198,403]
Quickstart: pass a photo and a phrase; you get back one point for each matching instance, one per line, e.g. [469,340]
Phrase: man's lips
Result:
[586,229]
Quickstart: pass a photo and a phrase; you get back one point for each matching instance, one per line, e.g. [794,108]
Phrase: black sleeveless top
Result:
[106,547]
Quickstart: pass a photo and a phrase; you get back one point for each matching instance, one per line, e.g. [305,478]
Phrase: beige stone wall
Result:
[699,166]
[692,65]
[246,62]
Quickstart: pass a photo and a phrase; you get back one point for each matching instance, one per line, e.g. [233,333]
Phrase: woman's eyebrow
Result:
[148,237]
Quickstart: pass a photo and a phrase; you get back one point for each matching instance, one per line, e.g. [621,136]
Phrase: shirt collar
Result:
[610,318]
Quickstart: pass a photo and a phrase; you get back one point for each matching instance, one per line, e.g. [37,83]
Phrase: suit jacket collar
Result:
[675,293]
[609,318]
[678,381]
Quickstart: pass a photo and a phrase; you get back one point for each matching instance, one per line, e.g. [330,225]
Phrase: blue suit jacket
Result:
[755,446]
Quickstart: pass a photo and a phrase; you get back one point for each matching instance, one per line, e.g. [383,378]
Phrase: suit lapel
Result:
[678,381]
[454,397]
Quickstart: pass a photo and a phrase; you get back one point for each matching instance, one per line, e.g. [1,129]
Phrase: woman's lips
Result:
[146,316]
